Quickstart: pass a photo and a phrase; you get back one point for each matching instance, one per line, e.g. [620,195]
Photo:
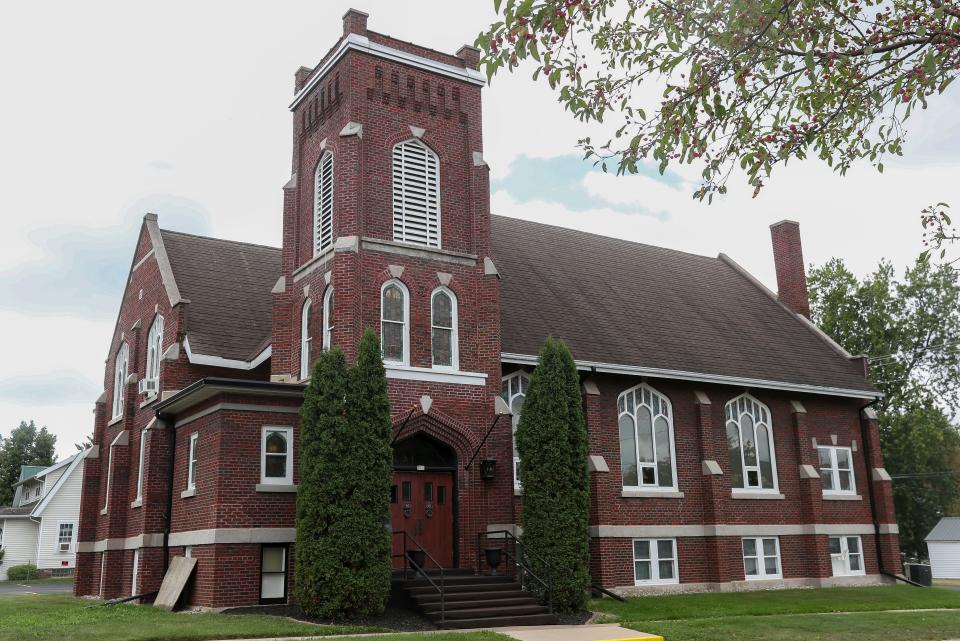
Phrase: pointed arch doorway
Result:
[423,498]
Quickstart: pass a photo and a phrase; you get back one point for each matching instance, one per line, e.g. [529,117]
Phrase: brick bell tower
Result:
[386,225]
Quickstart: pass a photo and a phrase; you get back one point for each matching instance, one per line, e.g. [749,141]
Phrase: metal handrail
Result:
[442,588]
[524,567]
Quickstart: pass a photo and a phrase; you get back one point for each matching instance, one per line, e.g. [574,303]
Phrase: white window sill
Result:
[758,495]
[136,504]
[641,584]
[518,491]
[188,493]
[838,496]
[846,574]
[115,420]
[651,493]
[407,373]
[765,577]
[276,488]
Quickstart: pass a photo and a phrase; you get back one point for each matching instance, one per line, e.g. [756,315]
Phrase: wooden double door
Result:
[421,504]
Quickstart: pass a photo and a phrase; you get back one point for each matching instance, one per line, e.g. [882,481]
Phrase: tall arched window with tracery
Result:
[753,460]
[121,365]
[323,205]
[443,329]
[647,453]
[514,394]
[306,339]
[416,194]
[395,323]
[328,318]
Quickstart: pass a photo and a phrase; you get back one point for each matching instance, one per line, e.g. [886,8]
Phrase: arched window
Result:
[120,366]
[443,315]
[323,204]
[328,318]
[154,351]
[646,439]
[514,394]
[753,462]
[416,194]
[306,340]
[394,323]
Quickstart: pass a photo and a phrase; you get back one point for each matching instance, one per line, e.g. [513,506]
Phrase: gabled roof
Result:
[73,462]
[948,529]
[227,284]
[656,311]
[29,471]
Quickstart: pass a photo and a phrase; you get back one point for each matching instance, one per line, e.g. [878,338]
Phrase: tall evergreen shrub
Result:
[552,443]
[343,545]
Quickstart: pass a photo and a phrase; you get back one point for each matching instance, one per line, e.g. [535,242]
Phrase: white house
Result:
[41,526]
[943,544]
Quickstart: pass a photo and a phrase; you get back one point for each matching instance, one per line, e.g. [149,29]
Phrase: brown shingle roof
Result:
[228,285]
[613,301]
[625,303]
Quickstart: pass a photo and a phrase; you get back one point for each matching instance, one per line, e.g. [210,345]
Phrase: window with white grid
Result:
[323,205]
[416,194]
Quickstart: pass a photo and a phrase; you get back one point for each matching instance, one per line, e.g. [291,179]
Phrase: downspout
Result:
[873,505]
[169,520]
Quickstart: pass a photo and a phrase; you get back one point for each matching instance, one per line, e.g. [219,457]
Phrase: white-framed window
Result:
[761,558]
[66,536]
[395,322]
[444,332]
[154,352]
[514,394]
[646,439]
[323,204]
[750,444]
[120,366]
[846,554]
[106,498]
[192,459]
[416,194]
[306,340]
[135,572]
[836,470]
[328,318]
[273,573]
[140,471]
[655,561]
[276,460]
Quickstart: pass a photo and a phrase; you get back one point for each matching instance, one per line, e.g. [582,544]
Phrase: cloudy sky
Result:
[113,109]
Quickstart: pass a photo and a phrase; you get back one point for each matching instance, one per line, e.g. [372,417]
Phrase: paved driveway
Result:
[12,587]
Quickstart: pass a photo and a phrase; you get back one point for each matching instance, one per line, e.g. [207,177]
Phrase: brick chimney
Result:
[788,259]
[355,22]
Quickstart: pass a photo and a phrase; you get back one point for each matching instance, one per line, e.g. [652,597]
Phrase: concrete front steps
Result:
[477,601]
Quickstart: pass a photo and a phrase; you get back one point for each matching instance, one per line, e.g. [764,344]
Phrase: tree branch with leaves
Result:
[737,83]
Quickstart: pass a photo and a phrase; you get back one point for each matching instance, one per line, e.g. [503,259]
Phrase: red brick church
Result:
[731,443]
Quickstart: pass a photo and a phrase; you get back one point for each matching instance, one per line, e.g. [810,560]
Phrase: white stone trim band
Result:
[663,531]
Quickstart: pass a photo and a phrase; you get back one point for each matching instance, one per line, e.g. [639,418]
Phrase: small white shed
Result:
[943,544]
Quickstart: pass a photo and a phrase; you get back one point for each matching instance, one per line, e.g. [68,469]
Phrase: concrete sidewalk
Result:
[601,632]
[598,632]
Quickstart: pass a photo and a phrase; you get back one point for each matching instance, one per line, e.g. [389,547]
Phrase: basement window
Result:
[273,574]
[846,555]
[655,561]
[761,558]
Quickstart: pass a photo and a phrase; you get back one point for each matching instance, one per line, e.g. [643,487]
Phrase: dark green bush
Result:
[24,572]
[343,500]
[552,442]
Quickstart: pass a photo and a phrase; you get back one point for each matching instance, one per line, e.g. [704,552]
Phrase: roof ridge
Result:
[604,237]
[221,240]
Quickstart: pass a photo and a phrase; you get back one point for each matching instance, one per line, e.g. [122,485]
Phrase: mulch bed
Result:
[395,617]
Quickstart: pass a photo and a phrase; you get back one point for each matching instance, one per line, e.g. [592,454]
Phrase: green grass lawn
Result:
[58,617]
[711,604]
[832,614]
